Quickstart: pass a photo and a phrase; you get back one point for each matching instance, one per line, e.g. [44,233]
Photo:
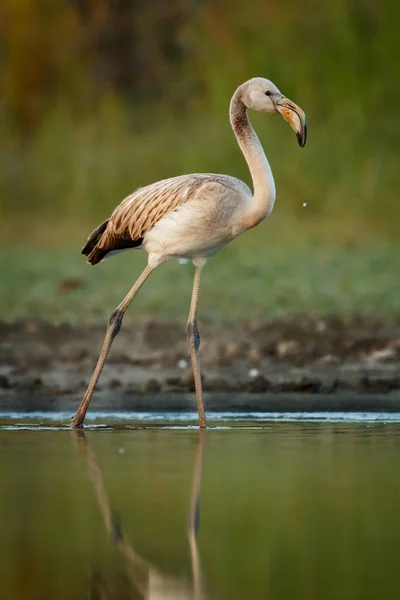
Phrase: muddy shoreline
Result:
[185,403]
[289,364]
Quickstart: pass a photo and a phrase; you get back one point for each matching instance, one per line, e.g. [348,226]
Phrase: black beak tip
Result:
[302,136]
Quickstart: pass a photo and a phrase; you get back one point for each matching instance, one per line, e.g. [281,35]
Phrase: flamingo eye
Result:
[268,93]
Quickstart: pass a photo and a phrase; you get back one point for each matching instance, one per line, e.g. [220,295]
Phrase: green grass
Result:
[78,164]
[80,172]
[262,274]
[85,152]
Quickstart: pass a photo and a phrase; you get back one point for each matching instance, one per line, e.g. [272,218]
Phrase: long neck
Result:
[261,174]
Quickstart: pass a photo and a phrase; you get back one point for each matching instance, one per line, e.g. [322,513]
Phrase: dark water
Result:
[287,511]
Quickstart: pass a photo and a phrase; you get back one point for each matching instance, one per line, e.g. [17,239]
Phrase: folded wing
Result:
[140,211]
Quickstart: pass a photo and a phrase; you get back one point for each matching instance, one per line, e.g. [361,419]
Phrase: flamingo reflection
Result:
[147,581]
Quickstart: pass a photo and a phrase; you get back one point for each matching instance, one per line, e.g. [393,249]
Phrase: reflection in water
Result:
[296,511]
[148,582]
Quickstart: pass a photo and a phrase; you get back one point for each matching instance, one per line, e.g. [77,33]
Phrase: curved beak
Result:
[294,116]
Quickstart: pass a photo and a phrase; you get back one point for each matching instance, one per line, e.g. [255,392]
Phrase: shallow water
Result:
[287,509]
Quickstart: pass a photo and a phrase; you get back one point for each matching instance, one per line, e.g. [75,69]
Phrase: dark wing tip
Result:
[94,238]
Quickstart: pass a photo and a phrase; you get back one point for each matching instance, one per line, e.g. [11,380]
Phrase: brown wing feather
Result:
[140,211]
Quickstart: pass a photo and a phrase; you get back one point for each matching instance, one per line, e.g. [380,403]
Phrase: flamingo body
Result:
[192,217]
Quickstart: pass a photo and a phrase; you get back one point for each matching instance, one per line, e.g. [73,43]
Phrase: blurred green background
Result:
[99,97]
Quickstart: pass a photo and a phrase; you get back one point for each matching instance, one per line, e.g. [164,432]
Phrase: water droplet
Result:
[182,363]
[121,450]
[254,372]
[304,203]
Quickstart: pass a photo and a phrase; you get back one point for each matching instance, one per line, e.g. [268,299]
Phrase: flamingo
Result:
[192,217]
